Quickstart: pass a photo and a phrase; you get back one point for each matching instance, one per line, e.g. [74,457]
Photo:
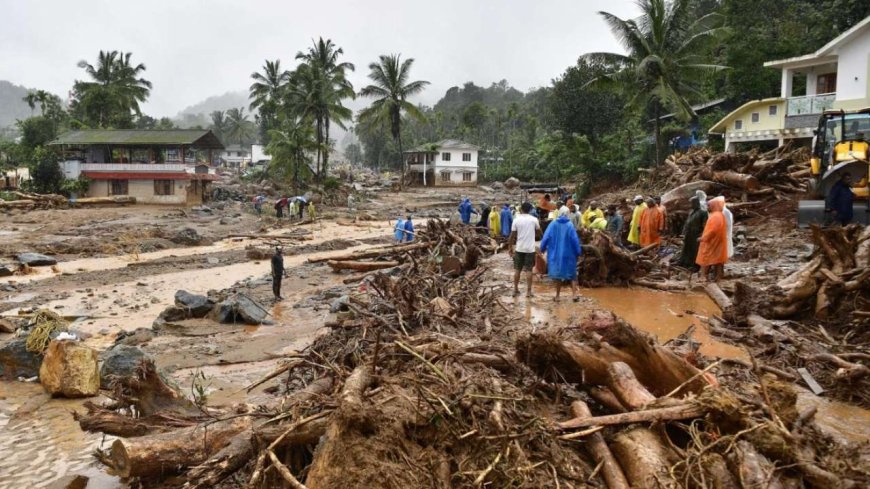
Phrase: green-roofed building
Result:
[155,166]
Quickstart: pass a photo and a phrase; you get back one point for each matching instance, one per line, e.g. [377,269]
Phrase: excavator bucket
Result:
[813,211]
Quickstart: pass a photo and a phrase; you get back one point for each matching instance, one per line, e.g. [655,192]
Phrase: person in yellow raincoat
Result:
[634,226]
[592,212]
[494,224]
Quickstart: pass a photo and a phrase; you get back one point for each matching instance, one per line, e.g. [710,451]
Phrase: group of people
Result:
[295,206]
[403,230]
[708,241]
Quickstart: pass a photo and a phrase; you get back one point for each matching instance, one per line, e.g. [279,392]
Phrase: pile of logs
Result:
[457,248]
[29,201]
[747,178]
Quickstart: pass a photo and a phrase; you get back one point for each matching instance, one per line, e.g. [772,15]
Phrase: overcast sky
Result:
[196,49]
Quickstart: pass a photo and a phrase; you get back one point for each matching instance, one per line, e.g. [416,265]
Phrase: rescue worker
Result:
[713,249]
[562,246]
[465,210]
[507,220]
[409,229]
[494,224]
[652,223]
[840,200]
[589,215]
[634,231]
[277,273]
[692,230]
[614,224]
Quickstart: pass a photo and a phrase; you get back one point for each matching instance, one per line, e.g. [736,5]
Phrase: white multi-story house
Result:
[837,76]
[236,156]
[445,163]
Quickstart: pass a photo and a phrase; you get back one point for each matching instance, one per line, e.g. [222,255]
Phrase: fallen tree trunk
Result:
[371,254]
[625,386]
[599,451]
[361,266]
[644,458]
[719,297]
[166,453]
[739,180]
[116,200]
[687,410]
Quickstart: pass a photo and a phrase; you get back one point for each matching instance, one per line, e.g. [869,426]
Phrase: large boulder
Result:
[120,361]
[241,309]
[16,361]
[70,369]
[188,237]
[7,270]
[36,259]
[173,313]
[511,183]
[196,305]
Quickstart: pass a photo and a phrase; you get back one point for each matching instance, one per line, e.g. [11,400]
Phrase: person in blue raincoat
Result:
[399,230]
[562,246]
[840,200]
[409,229]
[465,210]
[507,220]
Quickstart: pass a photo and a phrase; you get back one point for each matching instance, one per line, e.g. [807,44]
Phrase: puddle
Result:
[840,419]
[664,314]
[40,443]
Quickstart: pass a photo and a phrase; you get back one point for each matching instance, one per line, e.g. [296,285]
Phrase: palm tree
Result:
[238,124]
[289,144]
[323,79]
[266,91]
[219,123]
[661,66]
[117,88]
[391,89]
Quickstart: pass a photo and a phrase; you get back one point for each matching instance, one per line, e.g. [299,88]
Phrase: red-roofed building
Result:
[154,166]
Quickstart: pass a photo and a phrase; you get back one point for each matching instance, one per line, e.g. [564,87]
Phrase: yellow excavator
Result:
[841,145]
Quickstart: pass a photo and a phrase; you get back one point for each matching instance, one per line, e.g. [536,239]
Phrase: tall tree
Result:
[325,81]
[289,144]
[219,124]
[266,94]
[664,59]
[238,125]
[391,90]
[114,93]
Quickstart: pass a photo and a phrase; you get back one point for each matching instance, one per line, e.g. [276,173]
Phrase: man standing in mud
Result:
[522,246]
[277,273]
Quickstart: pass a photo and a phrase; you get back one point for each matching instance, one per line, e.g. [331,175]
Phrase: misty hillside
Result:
[12,107]
[198,113]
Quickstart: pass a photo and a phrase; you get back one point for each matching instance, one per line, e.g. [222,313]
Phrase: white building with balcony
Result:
[837,76]
[155,166]
[448,162]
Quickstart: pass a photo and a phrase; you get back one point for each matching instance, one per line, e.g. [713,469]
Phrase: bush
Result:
[47,177]
[78,186]
[331,183]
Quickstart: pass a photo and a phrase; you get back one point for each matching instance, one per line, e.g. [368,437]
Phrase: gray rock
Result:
[339,304]
[229,220]
[120,361]
[511,183]
[197,305]
[174,313]
[139,336]
[36,259]
[16,361]
[6,271]
[188,236]
[240,309]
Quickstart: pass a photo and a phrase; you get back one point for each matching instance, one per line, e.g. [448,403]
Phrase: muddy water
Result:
[39,442]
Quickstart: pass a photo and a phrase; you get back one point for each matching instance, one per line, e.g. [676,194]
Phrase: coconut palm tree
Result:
[325,82]
[662,64]
[238,125]
[391,90]
[219,123]
[266,92]
[115,91]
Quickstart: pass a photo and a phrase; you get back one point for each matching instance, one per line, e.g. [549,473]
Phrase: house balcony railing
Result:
[134,167]
[810,104]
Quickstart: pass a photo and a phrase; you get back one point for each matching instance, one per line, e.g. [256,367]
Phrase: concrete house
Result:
[236,156]
[448,162]
[837,76]
[155,166]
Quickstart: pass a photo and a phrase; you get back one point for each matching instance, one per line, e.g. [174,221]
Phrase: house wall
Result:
[456,158]
[765,122]
[853,73]
[143,190]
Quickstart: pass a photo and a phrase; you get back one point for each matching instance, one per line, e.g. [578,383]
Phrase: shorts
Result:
[524,261]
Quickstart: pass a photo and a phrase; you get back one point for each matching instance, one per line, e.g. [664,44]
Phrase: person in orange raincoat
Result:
[713,250]
[652,222]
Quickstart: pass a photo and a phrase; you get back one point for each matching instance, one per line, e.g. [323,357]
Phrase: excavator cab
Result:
[841,145]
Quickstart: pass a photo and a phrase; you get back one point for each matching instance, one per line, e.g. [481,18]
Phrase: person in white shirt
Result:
[522,246]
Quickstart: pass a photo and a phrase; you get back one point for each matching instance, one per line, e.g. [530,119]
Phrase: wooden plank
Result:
[811,382]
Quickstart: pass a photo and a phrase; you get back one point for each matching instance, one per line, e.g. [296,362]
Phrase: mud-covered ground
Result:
[119,268]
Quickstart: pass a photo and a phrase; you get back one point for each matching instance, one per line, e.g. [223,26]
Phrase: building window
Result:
[118,187]
[826,83]
[771,110]
[445,176]
[164,187]
[755,117]
[466,156]
[445,156]
[738,125]
[466,176]
[172,155]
